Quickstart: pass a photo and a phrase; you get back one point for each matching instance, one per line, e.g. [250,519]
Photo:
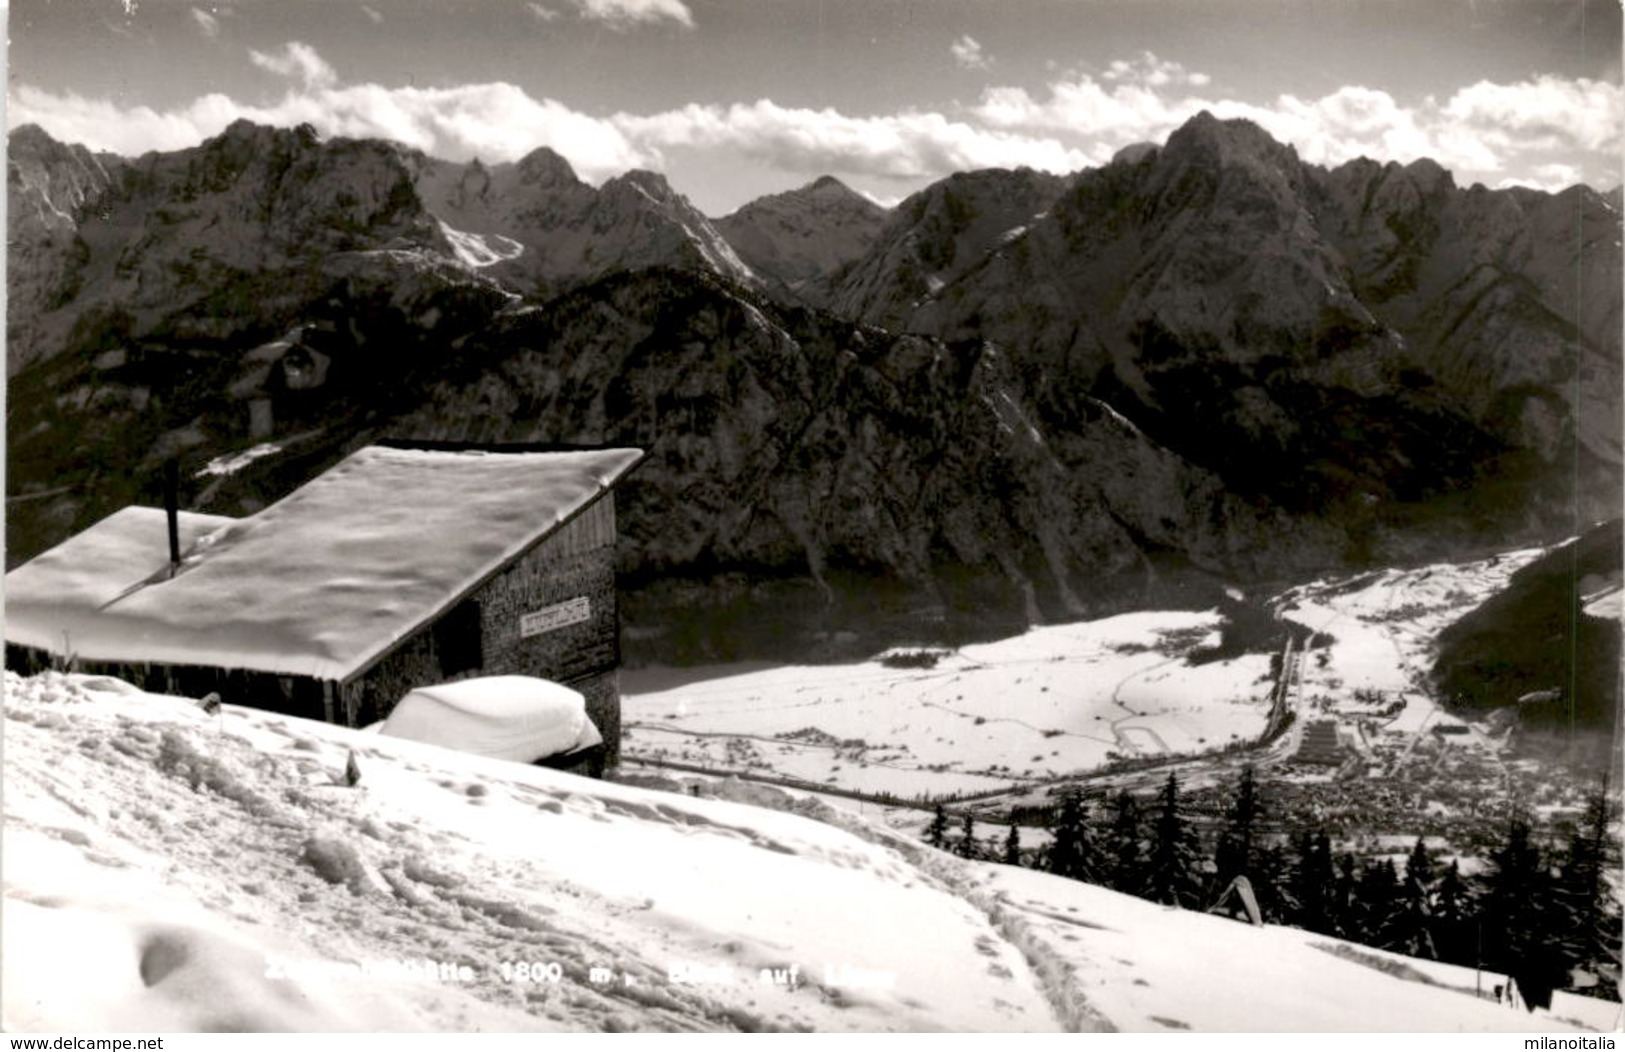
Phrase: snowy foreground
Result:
[171,870]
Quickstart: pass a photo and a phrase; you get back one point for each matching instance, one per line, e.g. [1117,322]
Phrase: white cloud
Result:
[502,122]
[373,13]
[624,14]
[1544,113]
[496,122]
[206,23]
[541,12]
[299,62]
[103,125]
[1541,132]
[1148,69]
[1350,122]
[968,53]
[1131,101]
[1481,130]
[909,145]
[1548,177]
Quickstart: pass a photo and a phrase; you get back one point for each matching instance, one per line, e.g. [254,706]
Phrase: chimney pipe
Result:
[172,485]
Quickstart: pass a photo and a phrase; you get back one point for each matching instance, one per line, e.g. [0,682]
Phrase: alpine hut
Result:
[398,568]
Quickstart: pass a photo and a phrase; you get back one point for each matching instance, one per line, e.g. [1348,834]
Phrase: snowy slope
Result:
[167,869]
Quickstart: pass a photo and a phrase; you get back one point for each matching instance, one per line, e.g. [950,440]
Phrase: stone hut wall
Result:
[550,613]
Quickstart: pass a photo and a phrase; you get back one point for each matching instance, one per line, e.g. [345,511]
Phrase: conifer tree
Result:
[1516,913]
[1412,927]
[966,847]
[1070,855]
[1510,909]
[1454,934]
[1237,844]
[1171,876]
[937,833]
[1271,880]
[1012,846]
[1587,918]
[1313,883]
[1125,857]
[1378,896]
[1344,909]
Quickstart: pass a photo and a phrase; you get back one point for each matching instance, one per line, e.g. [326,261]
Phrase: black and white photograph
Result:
[762,516]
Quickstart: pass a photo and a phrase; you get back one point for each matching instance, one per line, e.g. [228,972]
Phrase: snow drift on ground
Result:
[505,717]
[166,869]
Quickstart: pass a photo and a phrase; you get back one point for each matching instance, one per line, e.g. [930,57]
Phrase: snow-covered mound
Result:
[167,869]
[504,717]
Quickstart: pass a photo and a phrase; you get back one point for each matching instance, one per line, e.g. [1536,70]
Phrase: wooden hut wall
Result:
[291,695]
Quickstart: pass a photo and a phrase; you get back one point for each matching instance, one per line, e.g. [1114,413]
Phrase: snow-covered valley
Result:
[1056,700]
[1012,716]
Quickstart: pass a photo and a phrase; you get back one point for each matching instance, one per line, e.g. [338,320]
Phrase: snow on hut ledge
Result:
[396,568]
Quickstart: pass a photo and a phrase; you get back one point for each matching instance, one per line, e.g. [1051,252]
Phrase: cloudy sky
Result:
[736,98]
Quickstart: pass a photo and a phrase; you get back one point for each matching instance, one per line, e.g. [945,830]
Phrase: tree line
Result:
[1541,911]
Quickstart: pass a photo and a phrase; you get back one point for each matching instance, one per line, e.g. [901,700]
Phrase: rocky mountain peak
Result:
[1136,152]
[826,195]
[1207,141]
[544,168]
[243,136]
[30,139]
[49,185]
[652,185]
[827,186]
[244,229]
[1430,174]
[804,234]
[64,174]
[31,149]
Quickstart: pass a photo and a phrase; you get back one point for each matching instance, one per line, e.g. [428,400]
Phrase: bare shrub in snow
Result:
[336,862]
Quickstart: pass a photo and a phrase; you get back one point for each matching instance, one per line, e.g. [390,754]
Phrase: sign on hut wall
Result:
[551,618]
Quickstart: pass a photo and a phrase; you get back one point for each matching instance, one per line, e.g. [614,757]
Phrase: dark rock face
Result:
[934,238]
[239,237]
[234,240]
[1537,640]
[1509,301]
[47,184]
[1365,342]
[1033,398]
[798,461]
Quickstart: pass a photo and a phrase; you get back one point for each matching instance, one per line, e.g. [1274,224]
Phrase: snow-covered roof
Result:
[320,583]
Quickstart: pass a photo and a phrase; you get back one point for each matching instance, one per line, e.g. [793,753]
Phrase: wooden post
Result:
[327,700]
[172,486]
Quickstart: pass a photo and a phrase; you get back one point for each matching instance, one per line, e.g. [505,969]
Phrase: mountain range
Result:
[1012,397]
